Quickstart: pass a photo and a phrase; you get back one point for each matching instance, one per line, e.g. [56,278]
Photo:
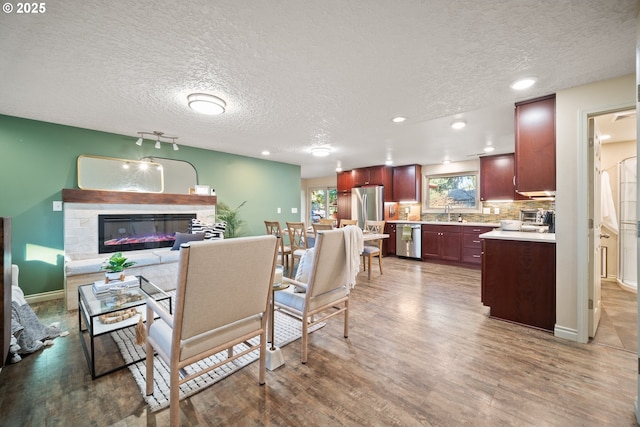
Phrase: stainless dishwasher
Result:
[408,240]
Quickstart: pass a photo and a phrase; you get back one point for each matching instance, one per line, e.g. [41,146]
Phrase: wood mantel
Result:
[127,197]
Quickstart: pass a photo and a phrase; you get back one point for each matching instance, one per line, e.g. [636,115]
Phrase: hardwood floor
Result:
[421,351]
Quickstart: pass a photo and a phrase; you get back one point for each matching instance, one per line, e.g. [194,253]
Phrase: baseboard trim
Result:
[565,333]
[44,296]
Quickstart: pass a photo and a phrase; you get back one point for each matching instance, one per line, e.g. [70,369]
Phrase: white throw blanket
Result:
[354,245]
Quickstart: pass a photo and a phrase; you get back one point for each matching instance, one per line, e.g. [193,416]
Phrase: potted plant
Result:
[115,267]
[232,218]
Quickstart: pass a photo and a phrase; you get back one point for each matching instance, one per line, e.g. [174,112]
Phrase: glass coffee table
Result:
[104,313]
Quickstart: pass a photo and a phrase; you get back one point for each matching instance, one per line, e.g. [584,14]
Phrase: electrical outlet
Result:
[486,211]
[496,211]
[57,205]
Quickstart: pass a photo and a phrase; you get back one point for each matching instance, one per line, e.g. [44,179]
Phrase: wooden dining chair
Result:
[298,241]
[284,251]
[345,222]
[330,221]
[372,248]
[318,226]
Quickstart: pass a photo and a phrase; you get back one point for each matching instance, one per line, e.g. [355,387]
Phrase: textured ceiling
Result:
[298,73]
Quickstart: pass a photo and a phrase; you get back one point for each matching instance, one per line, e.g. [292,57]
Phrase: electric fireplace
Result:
[132,232]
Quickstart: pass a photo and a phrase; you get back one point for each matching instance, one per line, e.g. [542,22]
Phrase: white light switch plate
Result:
[279,210]
[486,211]
[294,210]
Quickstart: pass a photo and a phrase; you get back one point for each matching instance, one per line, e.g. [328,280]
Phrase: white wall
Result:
[572,107]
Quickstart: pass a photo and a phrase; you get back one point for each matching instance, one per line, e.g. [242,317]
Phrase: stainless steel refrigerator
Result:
[367,203]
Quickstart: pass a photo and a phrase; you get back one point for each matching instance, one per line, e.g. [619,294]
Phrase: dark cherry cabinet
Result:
[407,183]
[441,242]
[345,181]
[389,245]
[519,281]
[497,177]
[344,205]
[535,149]
[472,244]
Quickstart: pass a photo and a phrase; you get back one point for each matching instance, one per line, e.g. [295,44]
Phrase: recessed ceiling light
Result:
[523,83]
[266,152]
[605,137]
[338,169]
[321,150]
[446,161]
[398,119]
[458,124]
[388,162]
[206,104]
[489,149]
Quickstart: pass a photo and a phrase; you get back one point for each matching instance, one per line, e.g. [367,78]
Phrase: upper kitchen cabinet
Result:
[535,156]
[345,181]
[497,178]
[407,183]
[375,175]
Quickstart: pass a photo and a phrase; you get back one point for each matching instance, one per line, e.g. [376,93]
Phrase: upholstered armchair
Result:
[219,304]
[324,285]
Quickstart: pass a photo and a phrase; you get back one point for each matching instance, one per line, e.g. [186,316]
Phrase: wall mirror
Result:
[106,173]
[179,175]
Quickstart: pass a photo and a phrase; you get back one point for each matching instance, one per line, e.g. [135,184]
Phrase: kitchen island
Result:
[519,277]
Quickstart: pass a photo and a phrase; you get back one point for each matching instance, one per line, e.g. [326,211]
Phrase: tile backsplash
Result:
[508,210]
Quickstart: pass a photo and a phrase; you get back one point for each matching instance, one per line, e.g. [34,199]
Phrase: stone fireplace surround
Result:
[82,260]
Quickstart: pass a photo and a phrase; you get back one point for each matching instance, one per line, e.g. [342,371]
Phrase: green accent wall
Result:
[38,160]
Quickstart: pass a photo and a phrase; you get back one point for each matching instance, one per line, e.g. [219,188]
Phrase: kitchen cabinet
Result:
[407,183]
[497,175]
[519,281]
[389,245]
[441,242]
[472,244]
[345,181]
[344,205]
[373,175]
[535,146]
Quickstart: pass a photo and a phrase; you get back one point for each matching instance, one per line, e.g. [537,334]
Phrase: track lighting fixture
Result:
[160,138]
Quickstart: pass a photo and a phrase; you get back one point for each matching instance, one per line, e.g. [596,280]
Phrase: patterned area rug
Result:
[287,330]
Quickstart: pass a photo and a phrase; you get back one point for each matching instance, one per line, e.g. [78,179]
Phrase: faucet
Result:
[447,210]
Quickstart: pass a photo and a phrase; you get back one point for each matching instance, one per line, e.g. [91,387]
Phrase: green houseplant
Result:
[115,266]
[232,218]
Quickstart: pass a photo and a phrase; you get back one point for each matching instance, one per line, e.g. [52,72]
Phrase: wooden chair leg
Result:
[369,270]
[380,263]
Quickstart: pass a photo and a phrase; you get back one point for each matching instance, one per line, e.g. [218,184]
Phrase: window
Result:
[324,203]
[458,191]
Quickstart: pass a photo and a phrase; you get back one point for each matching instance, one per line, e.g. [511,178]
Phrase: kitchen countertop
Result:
[526,236]
[482,224]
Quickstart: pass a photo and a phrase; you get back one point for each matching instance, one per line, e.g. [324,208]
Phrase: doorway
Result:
[619,308]
[619,311]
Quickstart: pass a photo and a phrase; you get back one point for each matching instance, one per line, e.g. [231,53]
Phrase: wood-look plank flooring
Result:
[421,351]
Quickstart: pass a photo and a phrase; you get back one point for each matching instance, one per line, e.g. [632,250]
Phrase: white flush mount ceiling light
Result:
[522,84]
[446,161]
[266,152]
[321,150]
[398,119]
[489,149]
[388,162]
[458,124]
[206,104]
[160,138]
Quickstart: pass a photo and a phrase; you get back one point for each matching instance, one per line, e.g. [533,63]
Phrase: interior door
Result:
[595,304]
